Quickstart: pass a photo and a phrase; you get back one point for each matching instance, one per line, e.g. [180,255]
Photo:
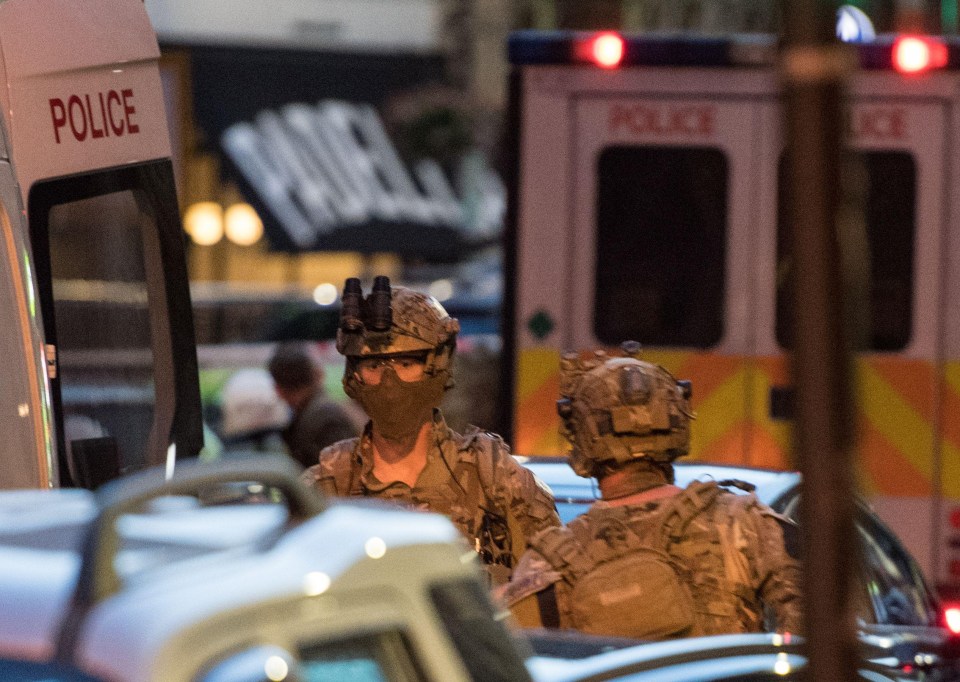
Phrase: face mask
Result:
[399,408]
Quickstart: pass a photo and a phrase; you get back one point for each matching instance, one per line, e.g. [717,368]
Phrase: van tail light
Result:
[917,54]
[951,618]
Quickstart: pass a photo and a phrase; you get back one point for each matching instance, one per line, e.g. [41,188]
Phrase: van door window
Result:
[115,305]
[661,240]
[103,318]
[889,185]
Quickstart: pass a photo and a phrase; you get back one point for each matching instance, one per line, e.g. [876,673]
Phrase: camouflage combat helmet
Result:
[392,321]
[618,409]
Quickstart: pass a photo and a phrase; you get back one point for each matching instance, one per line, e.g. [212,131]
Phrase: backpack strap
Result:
[686,506]
[485,447]
[560,547]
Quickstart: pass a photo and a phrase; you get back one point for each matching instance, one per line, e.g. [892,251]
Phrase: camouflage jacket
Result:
[731,554]
[472,478]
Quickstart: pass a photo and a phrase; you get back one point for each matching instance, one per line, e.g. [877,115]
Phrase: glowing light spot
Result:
[375,548]
[276,669]
[203,221]
[913,54]
[608,50]
[242,224]
[777,639]
[952,616]
[441,289]
[782,665]
[315,583]
[23,409]
[325,294]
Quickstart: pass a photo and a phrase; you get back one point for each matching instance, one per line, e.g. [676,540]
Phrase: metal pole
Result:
[813,69]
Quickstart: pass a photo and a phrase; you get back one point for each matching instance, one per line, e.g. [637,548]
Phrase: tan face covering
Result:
[399,408]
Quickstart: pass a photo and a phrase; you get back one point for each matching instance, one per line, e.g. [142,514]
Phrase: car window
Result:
[897,590]
[487,650]
[370,657]
[381,657]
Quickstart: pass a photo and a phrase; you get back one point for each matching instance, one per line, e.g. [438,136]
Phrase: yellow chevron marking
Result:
[671,360]
[950,470]
[720,411]
[951,371]
[895,419]
[536,366]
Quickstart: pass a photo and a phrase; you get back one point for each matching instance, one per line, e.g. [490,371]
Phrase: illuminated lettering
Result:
[93,116]
[683,120]
[330,166]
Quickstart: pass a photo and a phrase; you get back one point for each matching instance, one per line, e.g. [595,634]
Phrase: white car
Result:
[147,581]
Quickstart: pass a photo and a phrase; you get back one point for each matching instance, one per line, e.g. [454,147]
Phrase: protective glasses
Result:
[406,367]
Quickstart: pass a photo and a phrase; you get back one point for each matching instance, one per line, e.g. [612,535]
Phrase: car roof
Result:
[718,657]
[771,484]
[654,655]
[160,597]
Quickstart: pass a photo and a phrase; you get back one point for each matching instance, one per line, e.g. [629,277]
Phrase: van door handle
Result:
[781,403]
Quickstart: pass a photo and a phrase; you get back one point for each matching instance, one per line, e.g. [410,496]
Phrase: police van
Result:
[648,203]
[100,368]
[234,571]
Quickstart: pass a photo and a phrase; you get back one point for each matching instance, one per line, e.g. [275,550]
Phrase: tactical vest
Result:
[678,570]
[468,497]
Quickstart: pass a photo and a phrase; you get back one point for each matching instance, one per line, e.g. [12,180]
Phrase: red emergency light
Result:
[606,50]
[916,54]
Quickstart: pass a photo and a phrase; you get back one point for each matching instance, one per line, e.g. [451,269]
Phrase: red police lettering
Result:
[879,123]
[94,116]
[639,119]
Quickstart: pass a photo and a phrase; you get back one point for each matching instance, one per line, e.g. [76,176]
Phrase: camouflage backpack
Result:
[658,600]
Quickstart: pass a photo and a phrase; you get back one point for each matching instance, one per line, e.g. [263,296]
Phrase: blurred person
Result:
[650,560]
[316,421]
[399,345]
[253,414]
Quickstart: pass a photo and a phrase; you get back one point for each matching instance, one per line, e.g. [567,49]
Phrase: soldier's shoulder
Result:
[480,439]
[342,449]
[532,574]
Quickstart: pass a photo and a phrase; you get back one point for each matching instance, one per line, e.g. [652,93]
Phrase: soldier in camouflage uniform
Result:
[399,346]
[650,560]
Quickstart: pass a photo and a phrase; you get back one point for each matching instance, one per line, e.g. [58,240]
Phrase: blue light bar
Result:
[678,49]
[561,47]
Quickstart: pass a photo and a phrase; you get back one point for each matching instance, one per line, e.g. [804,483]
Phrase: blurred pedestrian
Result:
[316,421]
[253,414]
[650,560]
[399,346]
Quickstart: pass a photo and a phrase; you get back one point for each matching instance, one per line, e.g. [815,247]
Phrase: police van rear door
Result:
[662,225]
[636,219]
[899,135]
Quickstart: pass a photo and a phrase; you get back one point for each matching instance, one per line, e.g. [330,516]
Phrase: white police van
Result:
[647,205]
[99,360]
[180,580]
